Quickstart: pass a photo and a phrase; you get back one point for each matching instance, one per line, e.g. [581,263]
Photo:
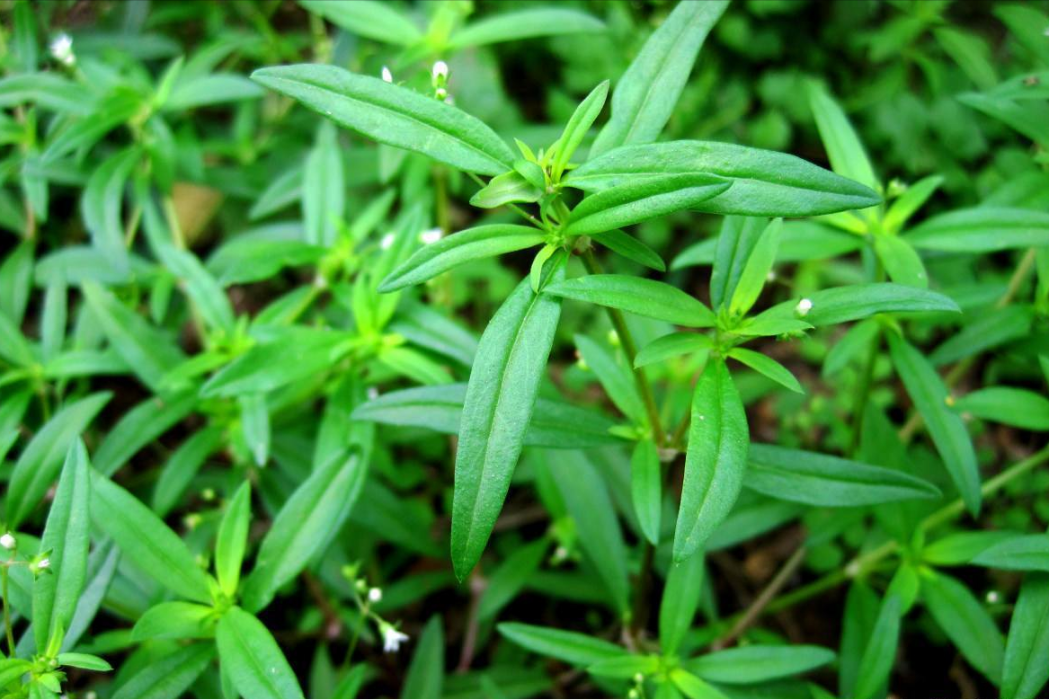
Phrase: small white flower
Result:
[386,241]
[387,75]
[431,235]
[442,94]
[993,597]
[392,638]
[440,71]
[804,307]
[771,276]
[374,595]
[44,563]
[373,393]
[8,541]
[62,49]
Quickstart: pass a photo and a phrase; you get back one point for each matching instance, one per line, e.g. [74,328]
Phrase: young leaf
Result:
[570,647]
[66,535]
[672,345]
[425,677]
[506,188]
[232,539]
[901,261]
[393,115]
[304,524]
[766,366]
[823,480]
[251,657]
[471,244]
[146,541]
[758,663]
[578,125]
[946,428]
[646,488]
[646,95]
[764,183]
[525,24]
[756,271]
[1026,665]
[909,202]
[680,601]
[966,623]
[85,661]
[500,397]
[846,152]
[642,199]
[716,459]
[640,296]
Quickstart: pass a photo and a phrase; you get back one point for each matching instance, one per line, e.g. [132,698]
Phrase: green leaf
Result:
[367,18]
[571,647]
[852,346]
[961,547]
[304,524]
[1016,407]
[182,466]
[86,661]
[901,261]
[640,296]
[102,201]
[578,125]
[554,423]
[879,657]
[255,426]
[672,345]
[176,620]
[647,93]
[641,199]
[858,301]
[965,621]
[511,577]
[616,379]
[846,152]
[909,202]
[823,480]
[525,24]
[680,601]
[459,248]
[251,657]
[67,536]
[232,539]
[586,498]
[1026,665]
[140,426]
[630,248]
[16,281]
[1019,553]
[393,115]
[766,366]
[990,329]
[646,488]
[500,398]
[39,463]
[323,189]
[756,271]
[764,183]
[146,541]
[981,230]
[628,666]
[758,663]
[169,675]
[717,453]
[946,428]
[425,677]
[506,188]
[146,350]
[692,686]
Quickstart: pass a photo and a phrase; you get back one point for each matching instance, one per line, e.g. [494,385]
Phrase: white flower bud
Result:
[387,76]
[373,393]
[431,235]
[993,597]
[804,307]
[62,49]
[8,541]
[374,595]
[391,638]
[440,71]
[386,241]
[43,564]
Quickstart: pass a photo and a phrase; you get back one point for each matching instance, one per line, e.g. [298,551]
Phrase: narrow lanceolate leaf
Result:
[645,96]
[425,678]
[367,18]
[879,657]
[982,230]
[901,261]
[393,115]
[503,189]
[250,656]
[967,624]
[168,676]
[232,539]
[758,663]
[1017,407]
[766,366]
[146,541]
[41,460]
[66,535]
[846,152]
[570,647]
[640,296]
[631,248]
[323,189]
[642,199]
[672,345]
[578,125]
[140,426]
[102,202]
[525,24]
[1020,553]
[513,574]
[680,601]
[646,479]
[615,378]
[945,427]
[756,271]
[859,301]
[823,480]
[1026,666]
[500,397]
[317,508]
[717,454]
[208,296]
[471,244]
[764,183]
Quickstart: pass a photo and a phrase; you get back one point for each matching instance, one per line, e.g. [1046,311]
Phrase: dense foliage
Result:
[340,354]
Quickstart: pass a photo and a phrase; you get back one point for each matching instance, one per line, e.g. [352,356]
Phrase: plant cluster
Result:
[309,379]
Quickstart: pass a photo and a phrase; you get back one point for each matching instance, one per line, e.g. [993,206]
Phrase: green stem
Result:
[630,349]
[7,612]
[864,393]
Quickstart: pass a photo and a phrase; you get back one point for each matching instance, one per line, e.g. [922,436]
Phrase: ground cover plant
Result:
[524,349]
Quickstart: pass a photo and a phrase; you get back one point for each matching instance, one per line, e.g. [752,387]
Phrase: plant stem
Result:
[864,393]
[7,612]
[630,349]
[752,613]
